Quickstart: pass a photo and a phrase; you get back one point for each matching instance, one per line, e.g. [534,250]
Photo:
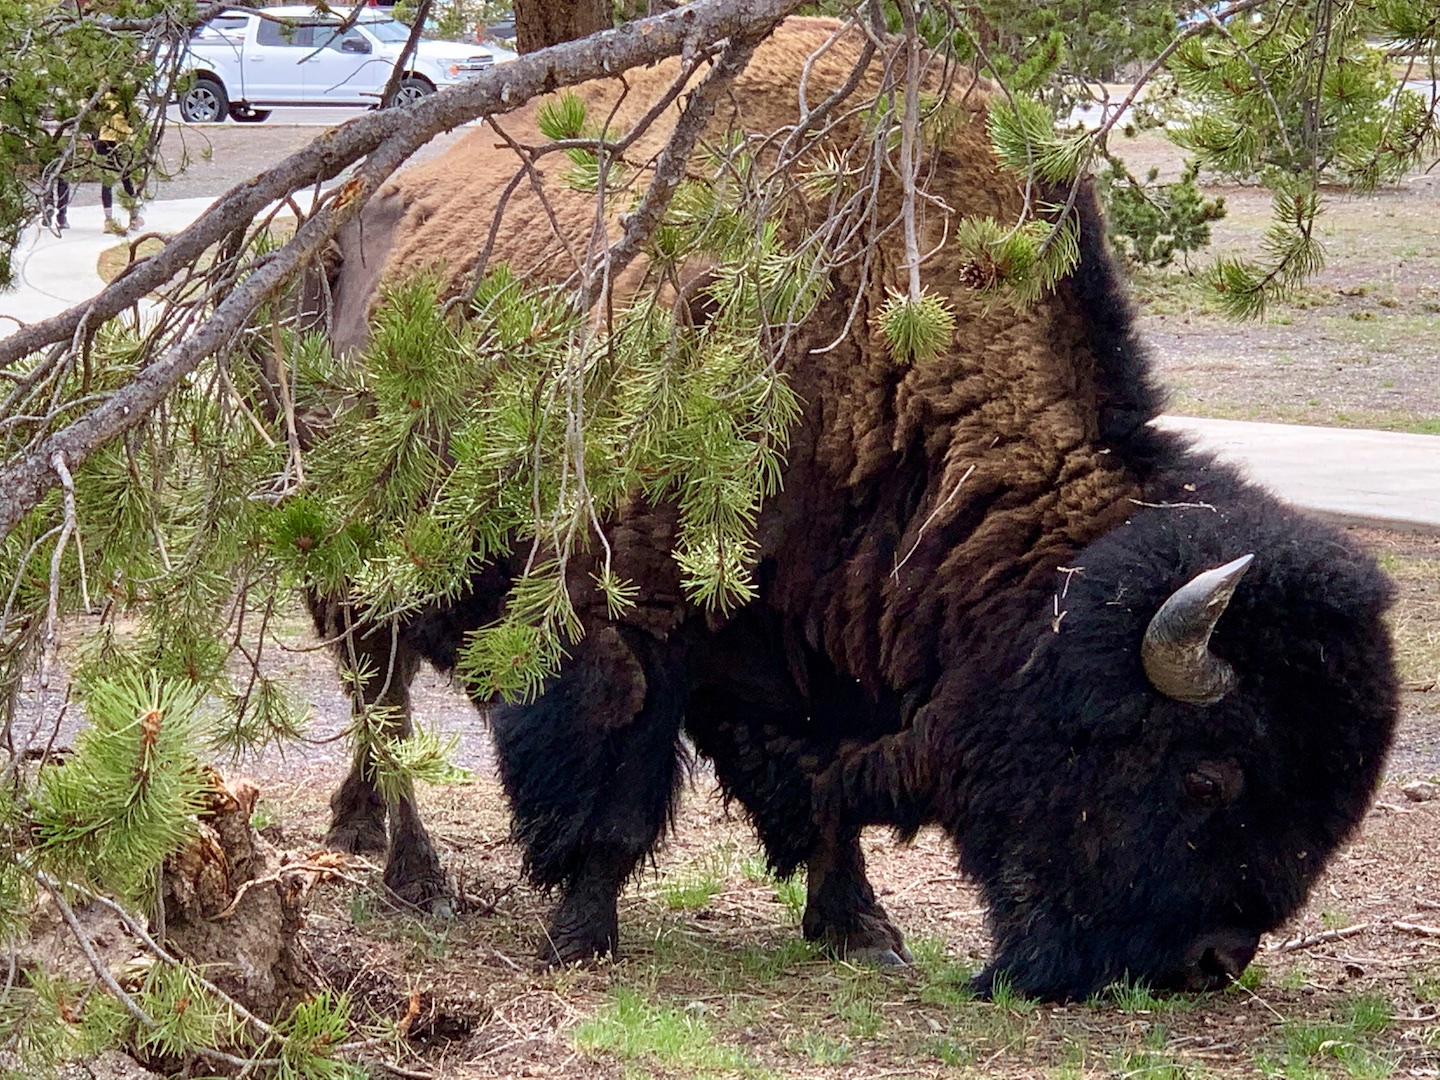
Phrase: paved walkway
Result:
[1379,478]
[54,273]
[1363,477]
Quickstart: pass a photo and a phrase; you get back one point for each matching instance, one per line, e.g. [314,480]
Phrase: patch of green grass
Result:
[820,1048]
[1075,1058]
[1172,292]
[1369,1014]
[945,980]
[1415,620]
[1391,333]
[754,868]
[262,817]
[1133,997]
[765,965]
[860,1015]
[1345,1039]
[1004,996]
[1145,1065]
[790,891]
[429,938]
[692,890]
[633,1029]
[1295,978]
[1425,986]
[948,1051]
[1334,920]
[1250,979]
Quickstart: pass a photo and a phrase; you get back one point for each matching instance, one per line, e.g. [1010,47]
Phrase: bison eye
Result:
[1202,788]
[1213,783]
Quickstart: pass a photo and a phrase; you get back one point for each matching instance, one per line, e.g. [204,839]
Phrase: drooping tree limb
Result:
[389,138]
[498,90]
[670,165]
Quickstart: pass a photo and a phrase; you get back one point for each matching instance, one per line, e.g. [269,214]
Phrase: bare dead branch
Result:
[671,164]
[1325,937]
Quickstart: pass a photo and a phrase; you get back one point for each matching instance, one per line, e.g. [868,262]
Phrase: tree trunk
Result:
[540,23]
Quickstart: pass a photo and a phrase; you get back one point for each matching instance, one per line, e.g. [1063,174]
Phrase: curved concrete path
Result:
[1362,477]
[53,273]
[1382,478]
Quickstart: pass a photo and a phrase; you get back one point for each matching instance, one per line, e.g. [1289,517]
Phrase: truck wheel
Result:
[205,101]
[413,88]
[245,114]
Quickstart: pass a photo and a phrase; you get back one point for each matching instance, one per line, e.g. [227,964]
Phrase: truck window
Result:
[387,29]
[326,35]
[274,33]
[222,27]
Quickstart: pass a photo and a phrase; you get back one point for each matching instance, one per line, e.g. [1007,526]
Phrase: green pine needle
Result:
[916,330]
[128,797]
[562,117]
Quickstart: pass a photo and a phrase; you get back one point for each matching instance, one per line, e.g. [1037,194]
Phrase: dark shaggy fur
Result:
[954,583]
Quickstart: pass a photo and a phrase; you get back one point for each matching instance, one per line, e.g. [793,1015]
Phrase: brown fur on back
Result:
[924,506]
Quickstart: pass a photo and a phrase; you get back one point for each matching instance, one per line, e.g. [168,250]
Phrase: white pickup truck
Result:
[242,64]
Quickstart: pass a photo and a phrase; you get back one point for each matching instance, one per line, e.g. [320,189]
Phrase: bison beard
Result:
[955,584]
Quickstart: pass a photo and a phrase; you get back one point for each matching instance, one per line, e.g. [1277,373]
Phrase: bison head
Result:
[1153,796]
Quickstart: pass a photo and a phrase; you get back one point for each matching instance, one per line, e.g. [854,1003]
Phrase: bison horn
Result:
[1176,650]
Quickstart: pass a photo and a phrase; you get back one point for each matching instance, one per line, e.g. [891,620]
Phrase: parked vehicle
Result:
[243,64]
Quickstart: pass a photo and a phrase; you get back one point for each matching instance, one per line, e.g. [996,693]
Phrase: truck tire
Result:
[246,114]
[205,101]
[413,88]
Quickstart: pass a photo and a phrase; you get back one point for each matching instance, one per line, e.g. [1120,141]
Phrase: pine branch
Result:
[670,166]
[389,137]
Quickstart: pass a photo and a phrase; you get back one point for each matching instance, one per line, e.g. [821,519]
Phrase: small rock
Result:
[108,1065]
[1421,791]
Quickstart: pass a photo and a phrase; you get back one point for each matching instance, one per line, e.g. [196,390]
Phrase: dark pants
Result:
[106,149]
[57,202]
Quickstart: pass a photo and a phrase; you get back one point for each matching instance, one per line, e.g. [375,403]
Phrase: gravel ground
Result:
[210,159]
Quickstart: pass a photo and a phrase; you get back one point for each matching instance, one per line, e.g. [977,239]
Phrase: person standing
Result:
[111,147]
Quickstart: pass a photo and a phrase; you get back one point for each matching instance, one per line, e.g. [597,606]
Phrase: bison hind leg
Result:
[357,816]
[380,662]
[412,866]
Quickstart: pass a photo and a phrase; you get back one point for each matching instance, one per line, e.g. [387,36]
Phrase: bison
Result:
[1145,698]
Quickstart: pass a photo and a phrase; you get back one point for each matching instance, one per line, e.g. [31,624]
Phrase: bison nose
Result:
[1217,959]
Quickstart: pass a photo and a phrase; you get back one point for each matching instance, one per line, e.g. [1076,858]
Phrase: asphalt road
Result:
[304,116]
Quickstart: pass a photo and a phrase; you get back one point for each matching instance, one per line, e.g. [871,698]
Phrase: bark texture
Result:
[542,23]
[234,908]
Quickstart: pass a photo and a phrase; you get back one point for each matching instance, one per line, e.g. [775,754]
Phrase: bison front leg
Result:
[378,666]
[592,770]
[763,759]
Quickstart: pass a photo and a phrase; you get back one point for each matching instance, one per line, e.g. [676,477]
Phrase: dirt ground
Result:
[715,980]
[1360,345]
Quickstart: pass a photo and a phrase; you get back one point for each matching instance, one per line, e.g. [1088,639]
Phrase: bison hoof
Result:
[881,957]
[358,836]
[569,951]
[864,938]
[579,942]
[429,893]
